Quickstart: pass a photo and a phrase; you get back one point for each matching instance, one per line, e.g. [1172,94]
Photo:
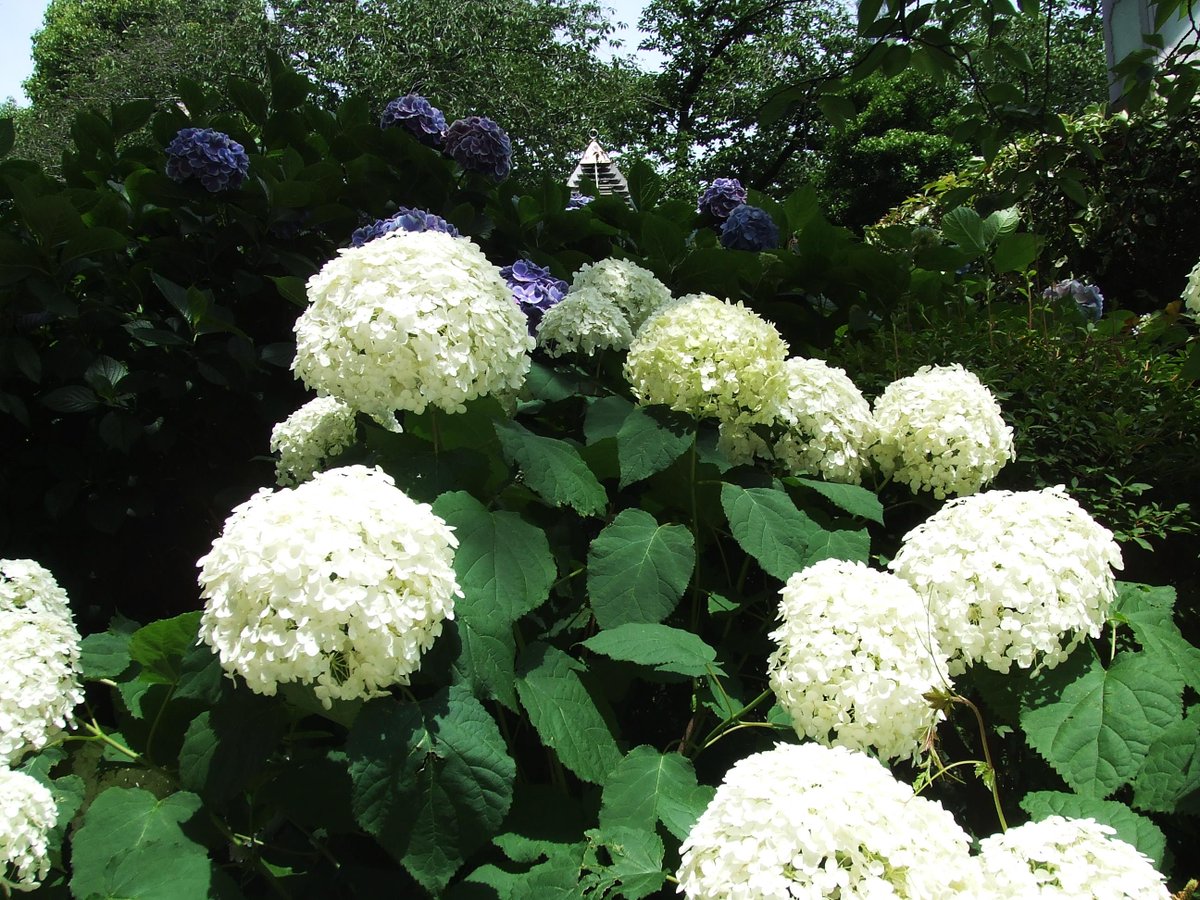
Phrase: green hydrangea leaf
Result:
[767,525]
[553,469]
[1130,827]
[104,655]
[650,439]
[564,714]
[604,418]
[160,646]
[635,862]
[431,782]
[225,747]
[648,787]
[851,498]
[638,569]
[854,546]
[129,838]
[662,647]
[1149,612]
[555,879]
[1098,732]
[1171,770]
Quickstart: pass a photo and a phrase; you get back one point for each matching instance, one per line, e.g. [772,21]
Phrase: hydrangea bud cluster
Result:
[479,145]
[707,357]
[1066,858]
[534,289]
[584,322]
[1191,293]
[812,821]
[39,681]
[721,197]
[854,659]
[941,430]
[211,157]
[635,290]
[415,319]
[418,116]
[1011,577]
[27,813]
[318,430]
[404,219]
[342,583]
[749,228]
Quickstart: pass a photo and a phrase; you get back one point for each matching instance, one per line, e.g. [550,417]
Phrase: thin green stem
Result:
[987,757]
[723,725]
[696,599]
[739,727]
[154,725]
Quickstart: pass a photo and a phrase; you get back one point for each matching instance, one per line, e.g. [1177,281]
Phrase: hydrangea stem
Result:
[987,759]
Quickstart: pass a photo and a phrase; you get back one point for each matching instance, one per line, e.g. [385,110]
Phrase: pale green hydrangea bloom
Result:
[585,321]
[1011,577]
[409,320]
[855,658]
[941,430]
[27,813]
[320,429]
[707,357]
[633,289]
[812,821]
[1065,859]
[342,583]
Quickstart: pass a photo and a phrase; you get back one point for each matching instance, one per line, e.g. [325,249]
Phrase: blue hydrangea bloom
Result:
[479,145]
[721,197]
[419,116]
[404,219]
[749,228]
[579,201]
[211,157]
[534,289]
[1086,296]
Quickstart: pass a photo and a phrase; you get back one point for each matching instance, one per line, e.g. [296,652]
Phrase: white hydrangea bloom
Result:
[342,582]
[633,289]
[855,658]
[319,429]
[827,426]
[1011,577]
[1065,858]
[25,584]
[39,680]
[408,320]
[583,322]
[1191,293]
[27,813]
[812,821]
[709,358]
[940,430]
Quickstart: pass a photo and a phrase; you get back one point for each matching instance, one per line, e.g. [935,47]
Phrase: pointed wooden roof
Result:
[596,164]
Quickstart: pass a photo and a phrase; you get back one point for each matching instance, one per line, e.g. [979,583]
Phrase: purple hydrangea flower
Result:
[579,201]
[721,197]
[534,289]
[415,113]
[479,145]
[404,219]
[212,157]
[1086,296]
[749,228]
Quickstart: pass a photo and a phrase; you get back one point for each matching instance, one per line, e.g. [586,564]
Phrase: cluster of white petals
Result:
[39,644]
[27,813]
[409,320]
[318,430]
[342,582]
[855,658]
[707,357]
[635,291]
[940,430]
[827,426]
[813,821]
[1066,858]
[1011,577]
[583,322]
[1191,293]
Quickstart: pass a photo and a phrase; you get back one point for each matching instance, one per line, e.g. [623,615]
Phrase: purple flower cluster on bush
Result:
[579,201]
[721,197]
[404,219]
[749,228]
[1086,296]
[416,114]
[534,289]
[211,157]
[479,145]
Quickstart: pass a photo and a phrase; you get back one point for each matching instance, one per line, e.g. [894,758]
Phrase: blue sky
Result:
[22,18]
